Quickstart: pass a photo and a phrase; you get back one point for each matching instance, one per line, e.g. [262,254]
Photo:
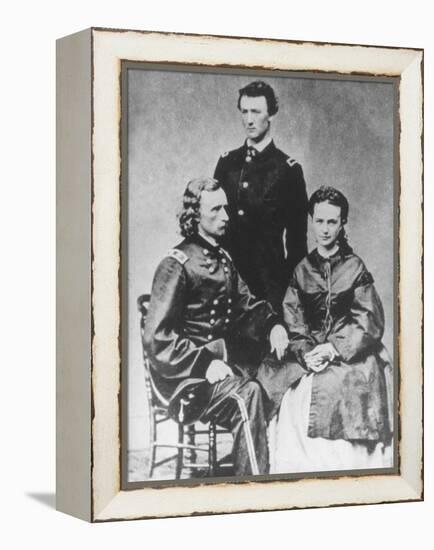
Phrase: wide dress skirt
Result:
[292,451]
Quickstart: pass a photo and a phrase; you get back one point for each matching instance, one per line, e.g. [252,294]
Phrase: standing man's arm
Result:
[296,203]
[219,172]
[255,320]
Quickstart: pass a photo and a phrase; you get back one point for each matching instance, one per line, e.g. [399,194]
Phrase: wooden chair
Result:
[187,446]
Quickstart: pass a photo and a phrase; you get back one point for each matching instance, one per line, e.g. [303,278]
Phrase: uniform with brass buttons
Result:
[198,286]
[267,208]
[198,315]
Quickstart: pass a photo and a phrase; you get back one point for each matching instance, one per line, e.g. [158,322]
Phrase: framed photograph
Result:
[239,271]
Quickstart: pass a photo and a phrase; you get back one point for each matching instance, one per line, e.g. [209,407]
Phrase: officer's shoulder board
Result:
[291,161]
[178,255]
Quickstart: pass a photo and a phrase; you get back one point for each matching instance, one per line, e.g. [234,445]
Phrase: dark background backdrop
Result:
[179,123]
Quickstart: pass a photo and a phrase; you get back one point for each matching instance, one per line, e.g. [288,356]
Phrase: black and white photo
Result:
[259,271]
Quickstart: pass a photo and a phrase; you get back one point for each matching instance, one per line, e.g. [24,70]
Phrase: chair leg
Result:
[180,457]
[191,440]
[152,462]
[153,450]
[212,450]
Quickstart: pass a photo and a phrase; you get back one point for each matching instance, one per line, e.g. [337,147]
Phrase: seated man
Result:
[201,318]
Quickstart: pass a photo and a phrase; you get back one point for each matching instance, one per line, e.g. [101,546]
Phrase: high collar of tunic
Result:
[261,146]
[262,154]
[206,245]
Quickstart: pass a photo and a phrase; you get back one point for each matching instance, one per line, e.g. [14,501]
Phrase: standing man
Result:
[267,200]
[201,318]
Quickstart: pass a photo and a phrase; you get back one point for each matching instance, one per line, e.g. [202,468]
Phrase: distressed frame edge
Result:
[112,510]
[252,38]
[73,293]
[412,169]
[412,489]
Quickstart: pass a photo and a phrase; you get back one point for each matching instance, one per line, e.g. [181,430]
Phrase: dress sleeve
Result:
[172,354]
[300,339]
[296,218]
[363,329]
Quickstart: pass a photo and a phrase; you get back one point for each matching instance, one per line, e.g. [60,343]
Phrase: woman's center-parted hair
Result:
[336,198]
[332,196]
[189,214]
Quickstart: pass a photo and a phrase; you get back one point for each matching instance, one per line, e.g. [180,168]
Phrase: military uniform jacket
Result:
[267,205]
[200,310]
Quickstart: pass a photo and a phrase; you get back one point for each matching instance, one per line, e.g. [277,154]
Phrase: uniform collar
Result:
[209,241]
[261,145]
[205,244]
[266,152]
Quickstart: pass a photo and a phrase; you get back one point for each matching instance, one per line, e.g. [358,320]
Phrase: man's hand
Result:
[278,340]
[319,358]
[217,370]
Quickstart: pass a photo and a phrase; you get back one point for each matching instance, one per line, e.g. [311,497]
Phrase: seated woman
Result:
[336,381]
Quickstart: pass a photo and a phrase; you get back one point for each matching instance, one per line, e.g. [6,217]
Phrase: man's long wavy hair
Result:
[336,198]
[189,215]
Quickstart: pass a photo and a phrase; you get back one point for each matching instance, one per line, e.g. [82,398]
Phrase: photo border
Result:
[124,328]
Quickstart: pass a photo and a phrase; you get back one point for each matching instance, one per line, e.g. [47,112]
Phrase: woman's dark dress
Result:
[334,300]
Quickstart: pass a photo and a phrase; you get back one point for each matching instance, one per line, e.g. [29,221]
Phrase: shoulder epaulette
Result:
[178,255]
[291,161]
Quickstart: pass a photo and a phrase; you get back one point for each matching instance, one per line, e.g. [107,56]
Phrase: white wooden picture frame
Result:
[89,163]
